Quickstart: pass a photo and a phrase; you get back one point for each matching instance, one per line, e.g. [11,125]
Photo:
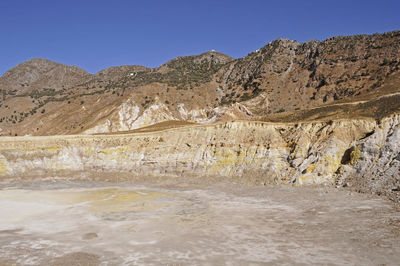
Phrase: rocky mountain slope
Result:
[279,82]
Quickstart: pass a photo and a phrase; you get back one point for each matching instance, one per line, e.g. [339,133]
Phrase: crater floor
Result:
[127,224]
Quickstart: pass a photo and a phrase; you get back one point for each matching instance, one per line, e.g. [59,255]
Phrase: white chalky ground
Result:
[208,224]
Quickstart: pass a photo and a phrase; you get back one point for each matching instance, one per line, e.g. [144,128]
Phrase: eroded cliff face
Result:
[362,153]
[374,161]
[129,116]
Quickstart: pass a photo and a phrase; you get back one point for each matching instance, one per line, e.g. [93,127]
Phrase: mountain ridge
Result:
[281,79]
[343,37]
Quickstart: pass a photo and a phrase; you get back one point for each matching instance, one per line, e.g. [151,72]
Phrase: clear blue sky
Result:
[96,34]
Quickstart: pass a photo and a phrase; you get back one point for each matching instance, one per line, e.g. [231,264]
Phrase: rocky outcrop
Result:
[361,153]
[130,116]
[373,164]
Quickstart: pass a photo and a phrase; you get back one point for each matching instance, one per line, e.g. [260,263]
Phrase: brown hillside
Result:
[285,80]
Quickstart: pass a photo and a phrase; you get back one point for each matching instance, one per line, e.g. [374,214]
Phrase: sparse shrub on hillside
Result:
[245,97]
[146,103]
[179,87]
[227,100]
[376,85]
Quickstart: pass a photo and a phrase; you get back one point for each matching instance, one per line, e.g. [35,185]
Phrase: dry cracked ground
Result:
[72,223]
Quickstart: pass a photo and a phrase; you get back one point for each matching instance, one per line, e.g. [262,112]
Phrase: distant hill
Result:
[283,81]
[41,74]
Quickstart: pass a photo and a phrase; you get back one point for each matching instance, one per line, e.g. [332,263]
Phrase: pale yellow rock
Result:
[259,151]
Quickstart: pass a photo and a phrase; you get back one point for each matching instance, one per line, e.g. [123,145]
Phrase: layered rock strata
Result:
[361,153]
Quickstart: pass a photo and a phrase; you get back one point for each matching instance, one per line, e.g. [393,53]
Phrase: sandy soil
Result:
[128,224]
